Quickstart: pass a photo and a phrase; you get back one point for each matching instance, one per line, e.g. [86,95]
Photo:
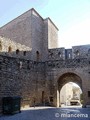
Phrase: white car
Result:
[75,102]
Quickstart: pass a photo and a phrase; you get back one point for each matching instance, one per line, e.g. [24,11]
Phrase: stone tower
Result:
[31,30]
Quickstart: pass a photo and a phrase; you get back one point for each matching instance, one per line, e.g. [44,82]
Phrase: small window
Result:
[17,51]
[20,64]
[37,52]
[77,53]
[9,49]
[0,47]
[43,93]
[24,53]
[59,54]
[37,55]
[51,99]
[69,55]
[88,93]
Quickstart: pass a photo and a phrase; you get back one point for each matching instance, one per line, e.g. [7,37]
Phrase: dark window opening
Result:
[0,47]
[37,55]
[88,93]
[28,65]
[17,51]
[0,67]
[9,49]
[77,53]
[59,53]
[37,52]
[24,53]
[51,99]
[43,96]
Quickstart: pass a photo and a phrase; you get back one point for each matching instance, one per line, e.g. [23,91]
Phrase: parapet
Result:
[82,51]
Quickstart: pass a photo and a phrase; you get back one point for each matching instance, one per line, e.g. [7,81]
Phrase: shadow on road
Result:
[47,113]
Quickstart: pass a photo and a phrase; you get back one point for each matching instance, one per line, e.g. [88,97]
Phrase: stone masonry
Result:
[33,67]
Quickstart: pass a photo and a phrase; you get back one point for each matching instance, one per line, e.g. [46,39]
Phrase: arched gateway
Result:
[65,78]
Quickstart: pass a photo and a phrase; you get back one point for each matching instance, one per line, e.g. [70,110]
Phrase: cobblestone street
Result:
[45,113]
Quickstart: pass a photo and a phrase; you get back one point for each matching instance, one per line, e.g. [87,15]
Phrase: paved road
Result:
[50,114]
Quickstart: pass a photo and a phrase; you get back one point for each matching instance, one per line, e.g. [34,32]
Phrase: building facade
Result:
[33,67]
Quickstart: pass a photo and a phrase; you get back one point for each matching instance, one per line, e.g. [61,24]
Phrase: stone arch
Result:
[65,78]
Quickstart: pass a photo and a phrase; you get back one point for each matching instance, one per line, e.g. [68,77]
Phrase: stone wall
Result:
[30,79]
[37,28]
[20,77]
[56,54]
[74,53]
[13,49]
[75,63]
[82,51]
[31,30]
[52,35]
[19,29]
[57,68]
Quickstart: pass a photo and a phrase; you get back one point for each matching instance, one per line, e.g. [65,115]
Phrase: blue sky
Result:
[72,17]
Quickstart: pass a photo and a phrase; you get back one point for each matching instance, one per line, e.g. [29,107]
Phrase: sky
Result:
[72,17]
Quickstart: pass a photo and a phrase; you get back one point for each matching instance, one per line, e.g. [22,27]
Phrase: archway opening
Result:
[63,80]
[71,95]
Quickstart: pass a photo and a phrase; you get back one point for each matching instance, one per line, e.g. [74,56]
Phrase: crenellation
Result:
[56,54]
[81,51]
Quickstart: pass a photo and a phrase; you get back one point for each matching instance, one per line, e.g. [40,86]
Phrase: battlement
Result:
[82,51]
[12,63]
[14,49]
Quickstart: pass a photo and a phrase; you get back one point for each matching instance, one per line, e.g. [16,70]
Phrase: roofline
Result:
[15,18]
[87,45]
[52,23]
[32,9]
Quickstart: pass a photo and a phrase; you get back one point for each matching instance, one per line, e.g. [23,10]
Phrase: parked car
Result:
[75,102]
